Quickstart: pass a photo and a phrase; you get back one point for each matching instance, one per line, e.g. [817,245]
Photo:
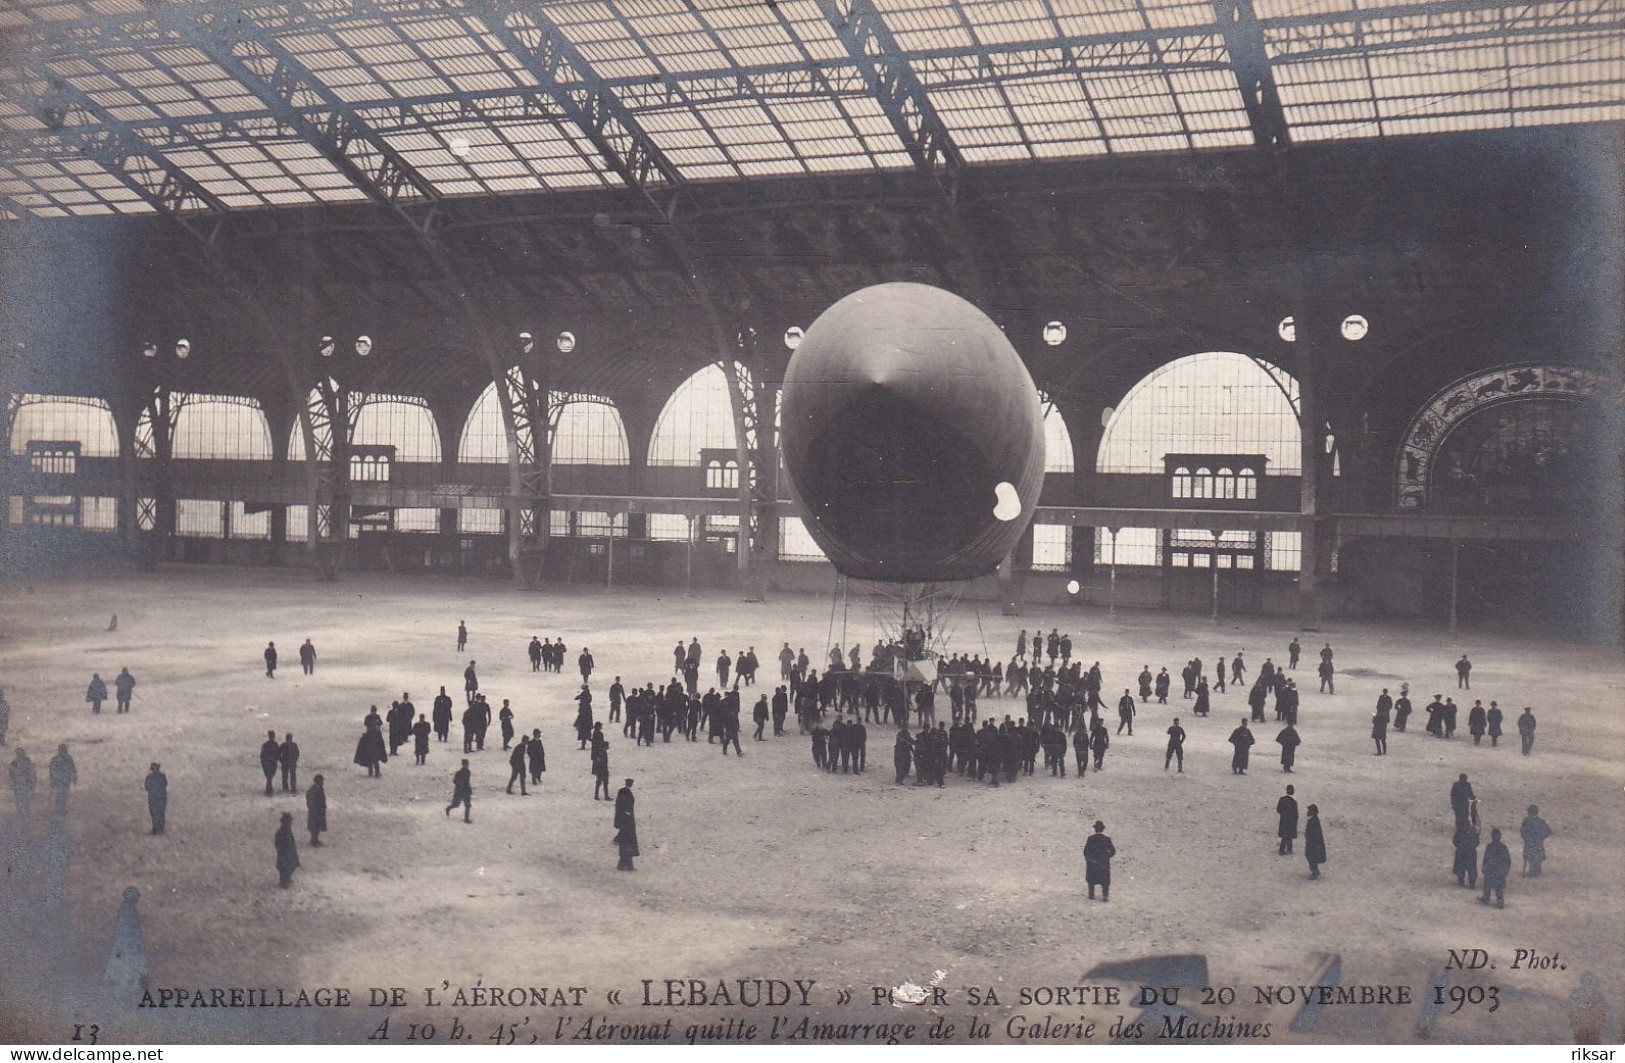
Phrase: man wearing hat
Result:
[1535,832]
[626,828]
[1097,862]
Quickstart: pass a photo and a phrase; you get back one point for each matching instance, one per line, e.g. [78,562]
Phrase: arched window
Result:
[698,416]
[587,430]
[1057,439]
[1247,484]
[1212,403]
[1202,482]
[65,418]
[214,426]
[1182,482]
[1224,483]
[404,422]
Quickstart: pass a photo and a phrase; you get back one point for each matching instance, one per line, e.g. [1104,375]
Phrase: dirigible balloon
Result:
[912,435]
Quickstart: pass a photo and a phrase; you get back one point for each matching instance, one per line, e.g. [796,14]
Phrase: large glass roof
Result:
[121,106]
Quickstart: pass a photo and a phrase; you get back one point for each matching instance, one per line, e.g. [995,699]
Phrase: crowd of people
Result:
[898,687]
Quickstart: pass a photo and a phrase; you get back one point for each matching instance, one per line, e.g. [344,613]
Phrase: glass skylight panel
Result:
[1170,15]
[1283,8]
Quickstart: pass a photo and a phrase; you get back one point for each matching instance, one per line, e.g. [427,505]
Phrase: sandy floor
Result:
[764,867]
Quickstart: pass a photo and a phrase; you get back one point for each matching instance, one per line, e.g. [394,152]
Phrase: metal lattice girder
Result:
[1245,39]
[522,396]
[1414,27]
[295,96]
[563,71]
[870,43]
[80,128]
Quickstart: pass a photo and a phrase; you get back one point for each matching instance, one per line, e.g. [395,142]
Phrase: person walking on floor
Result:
[462,792]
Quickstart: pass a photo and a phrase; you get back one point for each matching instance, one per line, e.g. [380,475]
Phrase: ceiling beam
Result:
[1244,38]
[869,42]
[563,72]
[280,81]
[83,129]
[1416,27]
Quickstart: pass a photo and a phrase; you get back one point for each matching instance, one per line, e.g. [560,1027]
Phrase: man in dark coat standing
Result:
[307,657]
[1289,742]
[1242,739]
[270,670]
[1125,713]
[535,651]
[1314,842]
[1464,673]
[442,715]
[123,687]
[1379,732]
[316,810]
[1526,729]
[1477,722]
[1492,722]
[1497,865]
[1465,867]
[1286,813]
[538,756]
[157,785]
[1535,832]
[420,739]
[626,828]
[1176,746]
[64,775]
[1461,800]
[462,792]
[270,760]
[287,852]
[1097,862]
[287,758]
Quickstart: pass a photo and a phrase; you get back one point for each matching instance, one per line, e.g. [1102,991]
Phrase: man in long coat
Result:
[64,775]
[1286,813]
[1535,832]
[1465,867]
[1497,864]
[626,828]
[1242,739]
[157,786]
[287,852]
[1461,799]
[1314,842]
[316,810]
[1289,742]
[270,760]
[1097,862]
[442,715]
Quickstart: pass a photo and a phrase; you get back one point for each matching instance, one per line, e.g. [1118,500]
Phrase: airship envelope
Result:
[912,436]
